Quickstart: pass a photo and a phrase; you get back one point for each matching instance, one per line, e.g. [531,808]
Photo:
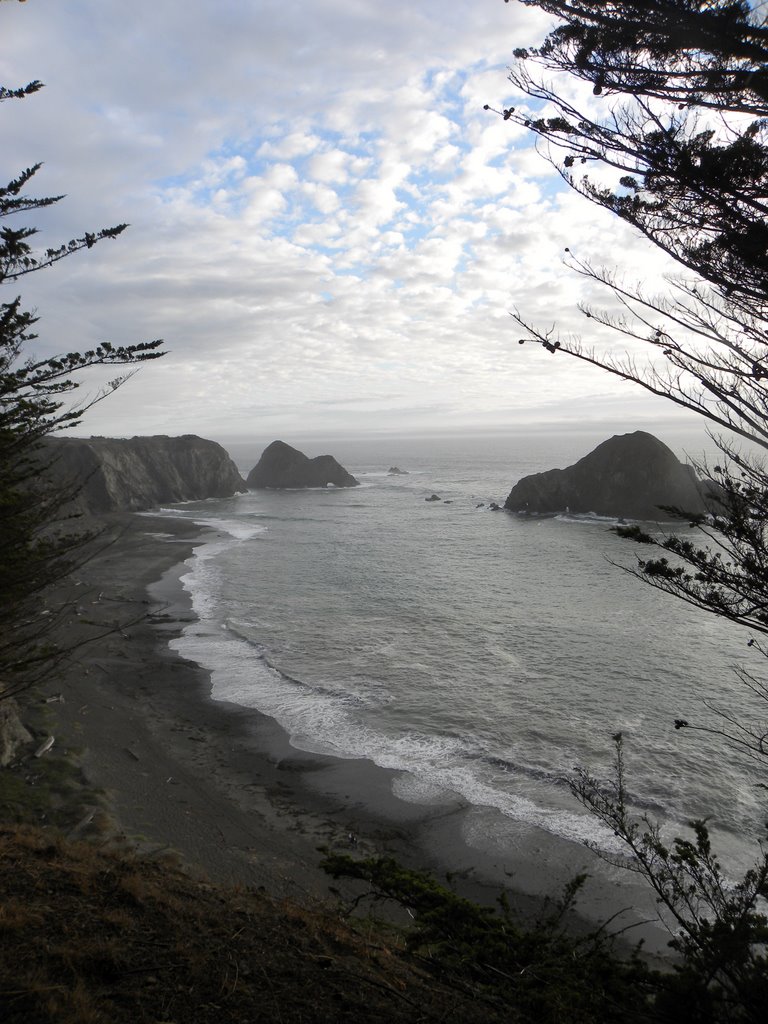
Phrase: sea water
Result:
[475,652]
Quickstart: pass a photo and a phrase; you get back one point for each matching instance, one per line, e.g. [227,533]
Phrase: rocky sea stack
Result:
[629,475]
[281,466]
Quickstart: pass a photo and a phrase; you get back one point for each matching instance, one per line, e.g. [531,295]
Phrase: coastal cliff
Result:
[129,474]
[629,475]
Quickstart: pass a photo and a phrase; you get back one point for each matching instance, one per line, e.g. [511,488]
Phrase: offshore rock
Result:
[281,466]
[130,474]
[629,475]
[396,471]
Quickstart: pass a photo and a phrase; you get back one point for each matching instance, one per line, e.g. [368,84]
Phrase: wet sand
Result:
[222,785]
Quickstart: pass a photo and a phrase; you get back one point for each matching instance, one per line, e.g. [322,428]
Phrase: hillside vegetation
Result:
[91,936]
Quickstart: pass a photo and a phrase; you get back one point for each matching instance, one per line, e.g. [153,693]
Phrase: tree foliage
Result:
[673,141]
[37,548]
[707,51]
[685,140]
[721,929]
[680,126]
[538,970]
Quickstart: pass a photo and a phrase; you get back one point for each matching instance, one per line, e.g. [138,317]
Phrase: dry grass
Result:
[90,935]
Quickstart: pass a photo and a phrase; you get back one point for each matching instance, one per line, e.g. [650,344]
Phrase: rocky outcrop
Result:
[13,735]
[281,466]
[629,475]
[396,471]
[116,474]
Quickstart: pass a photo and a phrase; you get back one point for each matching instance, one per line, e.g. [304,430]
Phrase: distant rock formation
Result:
[629,475]
[281,466]
[117,474]
[396,471]
[433,497]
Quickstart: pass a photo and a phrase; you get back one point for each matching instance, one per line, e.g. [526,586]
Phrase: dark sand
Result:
[221,784]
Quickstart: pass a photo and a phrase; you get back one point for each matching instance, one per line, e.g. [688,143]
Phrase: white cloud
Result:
[319,206]
[330,166]
[324,199]
[290,146]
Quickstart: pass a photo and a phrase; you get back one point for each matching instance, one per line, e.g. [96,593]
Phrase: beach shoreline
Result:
[222,785]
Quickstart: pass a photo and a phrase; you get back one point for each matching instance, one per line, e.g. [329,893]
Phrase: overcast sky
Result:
[327,228]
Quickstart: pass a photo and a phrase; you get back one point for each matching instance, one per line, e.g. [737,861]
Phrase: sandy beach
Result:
[222,785]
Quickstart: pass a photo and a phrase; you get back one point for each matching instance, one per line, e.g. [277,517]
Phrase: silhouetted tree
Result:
[684,133]
[37,548]
[711,52]
[690,173]
[674,142]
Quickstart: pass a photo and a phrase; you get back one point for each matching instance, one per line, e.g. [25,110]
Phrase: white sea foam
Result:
[239,529]
[164,513]
[236,528]
[477,655]
[435,767]
[589,518]
[203,581]
[417,790]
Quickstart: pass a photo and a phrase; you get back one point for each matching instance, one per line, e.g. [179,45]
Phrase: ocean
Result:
[476,653]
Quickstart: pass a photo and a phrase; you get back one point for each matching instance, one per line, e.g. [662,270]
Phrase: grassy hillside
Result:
[93,931]
[89,936]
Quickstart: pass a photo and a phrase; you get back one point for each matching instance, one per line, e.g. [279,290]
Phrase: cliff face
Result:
[282,466]
[141,472]
[629,475]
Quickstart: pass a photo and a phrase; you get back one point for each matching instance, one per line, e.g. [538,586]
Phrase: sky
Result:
[326,227]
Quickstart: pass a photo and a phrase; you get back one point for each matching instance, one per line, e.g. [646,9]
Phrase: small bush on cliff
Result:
[33,392]
[721,929]
[540,971]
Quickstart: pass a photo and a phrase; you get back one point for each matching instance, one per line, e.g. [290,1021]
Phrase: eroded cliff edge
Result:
[130,474]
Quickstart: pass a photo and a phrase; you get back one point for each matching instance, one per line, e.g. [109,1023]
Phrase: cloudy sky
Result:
[327,228]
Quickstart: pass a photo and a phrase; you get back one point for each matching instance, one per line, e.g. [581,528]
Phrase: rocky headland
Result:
[282,466]
[629,475]
[131,474]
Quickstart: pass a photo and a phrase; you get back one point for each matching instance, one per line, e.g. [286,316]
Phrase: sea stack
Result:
[281,466]
[630,475]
